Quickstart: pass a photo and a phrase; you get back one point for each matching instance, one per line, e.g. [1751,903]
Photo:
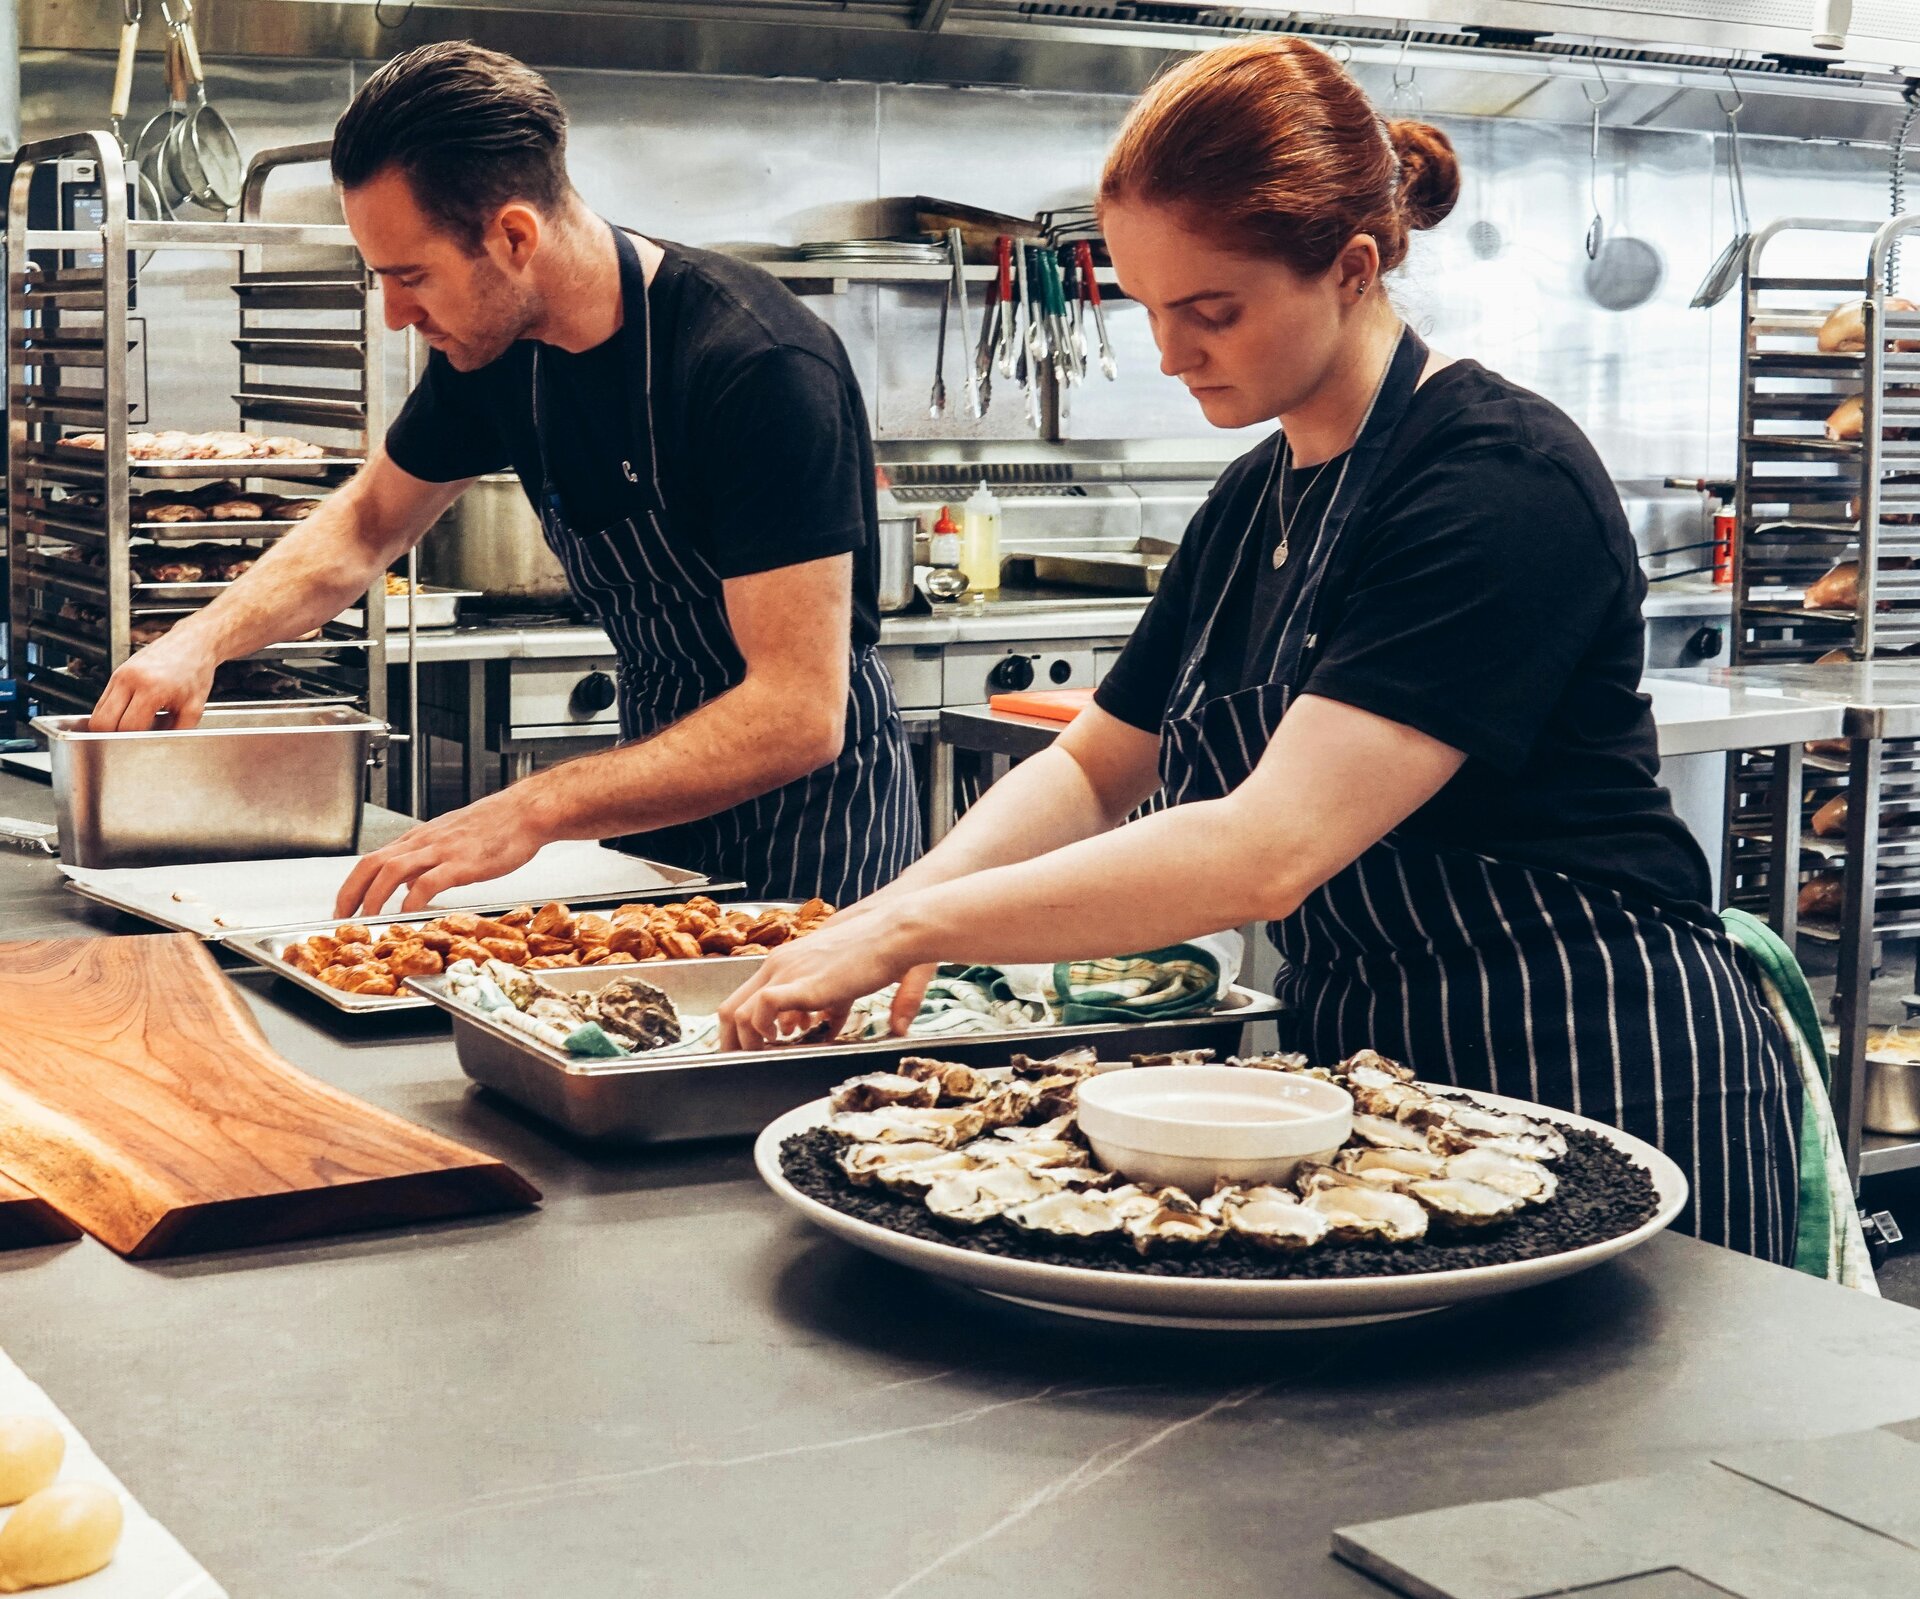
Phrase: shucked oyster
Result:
[1288,1062]
[632,1009]
[1175,1222]
[1359,1212]
[1060,1129]
[1468,1126]
[1368,1061]
[1391,1168]
[895,1124]
[1081,1062]
[875,1089]
[1383,1132]
[1081,1213]
[1461,1204]
[905,1168]
[1178,1057]
[975,1196]
[951,1080]
[1009,1104]
[1524,1179]
[1268,1217]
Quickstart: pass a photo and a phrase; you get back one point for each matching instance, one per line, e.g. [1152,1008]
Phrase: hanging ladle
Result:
[1597,228]
[1732,261]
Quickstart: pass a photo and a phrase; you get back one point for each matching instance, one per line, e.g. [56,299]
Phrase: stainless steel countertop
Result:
[663,1383]
[1693,717]
[981,622]
[1881,699]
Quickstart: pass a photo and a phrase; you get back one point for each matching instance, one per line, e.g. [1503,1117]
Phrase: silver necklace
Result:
[1284,548]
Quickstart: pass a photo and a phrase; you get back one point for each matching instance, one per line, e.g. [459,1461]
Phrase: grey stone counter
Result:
[660,1383]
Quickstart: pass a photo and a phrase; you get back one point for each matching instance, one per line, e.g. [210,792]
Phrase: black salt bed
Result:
[1602,1194]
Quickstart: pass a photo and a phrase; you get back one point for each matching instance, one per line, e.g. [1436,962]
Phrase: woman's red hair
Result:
[1272,148]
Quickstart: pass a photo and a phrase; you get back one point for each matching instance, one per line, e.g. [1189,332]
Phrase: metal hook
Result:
[1606,91]
[1739,99]
[1400,61]
[1341,51]
[379,14]
[131,10]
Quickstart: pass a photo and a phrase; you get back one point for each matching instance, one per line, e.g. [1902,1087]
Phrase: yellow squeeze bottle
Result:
[980,541]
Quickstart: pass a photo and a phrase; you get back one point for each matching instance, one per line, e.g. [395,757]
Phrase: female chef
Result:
[1388,687]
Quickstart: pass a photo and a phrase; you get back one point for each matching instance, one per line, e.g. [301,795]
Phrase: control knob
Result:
[1013,674]
[593,694]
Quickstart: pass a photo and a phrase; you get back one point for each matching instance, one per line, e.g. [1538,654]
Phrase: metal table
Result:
[662,1383]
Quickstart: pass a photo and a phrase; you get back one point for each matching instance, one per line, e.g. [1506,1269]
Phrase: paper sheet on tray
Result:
[215,898]
[149,1562]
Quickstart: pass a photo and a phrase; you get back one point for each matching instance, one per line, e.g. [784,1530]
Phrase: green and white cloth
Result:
[976,1001]
[1831,1243]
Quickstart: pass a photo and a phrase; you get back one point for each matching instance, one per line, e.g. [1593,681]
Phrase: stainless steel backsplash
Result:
[745,163]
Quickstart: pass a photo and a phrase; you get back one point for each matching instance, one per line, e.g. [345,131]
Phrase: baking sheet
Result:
[267,950]
[216,898]
[149,1562]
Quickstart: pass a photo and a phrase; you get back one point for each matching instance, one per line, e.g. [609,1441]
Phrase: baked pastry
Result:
[1847,419]
[170,510]
[1846,328]
[1821,895]
[1838,590]
[241,508]
[295,510]
[174,569]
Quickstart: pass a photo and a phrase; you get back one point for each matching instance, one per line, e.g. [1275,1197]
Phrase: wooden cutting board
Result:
[27,1219]
[139,1098]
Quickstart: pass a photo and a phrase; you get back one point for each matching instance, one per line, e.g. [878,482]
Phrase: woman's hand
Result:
[812,982]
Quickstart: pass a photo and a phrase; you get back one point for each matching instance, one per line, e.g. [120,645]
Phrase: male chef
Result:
[696,446]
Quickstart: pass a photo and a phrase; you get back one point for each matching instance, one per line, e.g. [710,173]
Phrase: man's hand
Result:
[487,839]
[173,674]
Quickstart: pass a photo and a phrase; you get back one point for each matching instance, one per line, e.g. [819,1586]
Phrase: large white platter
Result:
[1233,1303]
[218,898]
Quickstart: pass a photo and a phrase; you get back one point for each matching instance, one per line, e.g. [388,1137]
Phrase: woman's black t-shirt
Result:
[1485,591]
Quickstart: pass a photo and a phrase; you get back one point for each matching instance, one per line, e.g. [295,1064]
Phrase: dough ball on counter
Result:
[31,1449]
[60,1534]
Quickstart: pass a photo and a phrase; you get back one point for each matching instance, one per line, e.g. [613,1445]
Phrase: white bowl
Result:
[1195,1127]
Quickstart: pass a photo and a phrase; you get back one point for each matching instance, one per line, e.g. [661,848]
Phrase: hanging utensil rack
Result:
[310,353]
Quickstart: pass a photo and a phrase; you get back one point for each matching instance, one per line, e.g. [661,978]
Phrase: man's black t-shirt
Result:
[1486,591]
[760,434]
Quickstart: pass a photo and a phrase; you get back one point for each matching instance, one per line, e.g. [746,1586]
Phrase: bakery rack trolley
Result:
[309,346]
[1804,504]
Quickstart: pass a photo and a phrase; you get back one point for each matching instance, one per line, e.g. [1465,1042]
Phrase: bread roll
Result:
[60,1534]
[1846,328]
[1830,821]
[31,1449]
[1821,894]
[1847,419]
[1838,590]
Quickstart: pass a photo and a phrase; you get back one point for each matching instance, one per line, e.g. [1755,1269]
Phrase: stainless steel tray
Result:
[1137,573]
[267,949]
[210,899]
[319,466]
[432,608]
[243,785]
[683,1097]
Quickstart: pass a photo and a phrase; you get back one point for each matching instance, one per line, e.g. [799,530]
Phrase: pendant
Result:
[1280,555]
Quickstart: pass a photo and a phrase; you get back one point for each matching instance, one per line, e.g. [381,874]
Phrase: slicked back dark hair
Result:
[470,129]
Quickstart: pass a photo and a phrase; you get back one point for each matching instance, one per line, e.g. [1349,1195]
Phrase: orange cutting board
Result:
[139,1098]
[1050,704]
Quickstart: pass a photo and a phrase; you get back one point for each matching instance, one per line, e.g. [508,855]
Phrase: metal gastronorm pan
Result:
[663,1101]
[243,785]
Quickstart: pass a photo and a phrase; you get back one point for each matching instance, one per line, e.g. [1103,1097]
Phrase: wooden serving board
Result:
[27,1219]
[139,1098]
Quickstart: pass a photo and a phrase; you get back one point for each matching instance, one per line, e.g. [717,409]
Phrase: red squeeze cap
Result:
[945,524]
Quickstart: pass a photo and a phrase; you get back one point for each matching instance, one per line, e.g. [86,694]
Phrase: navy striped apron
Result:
[1485,974]
[842,831]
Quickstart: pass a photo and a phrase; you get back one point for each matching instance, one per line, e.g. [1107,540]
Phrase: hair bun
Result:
[1429,172]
